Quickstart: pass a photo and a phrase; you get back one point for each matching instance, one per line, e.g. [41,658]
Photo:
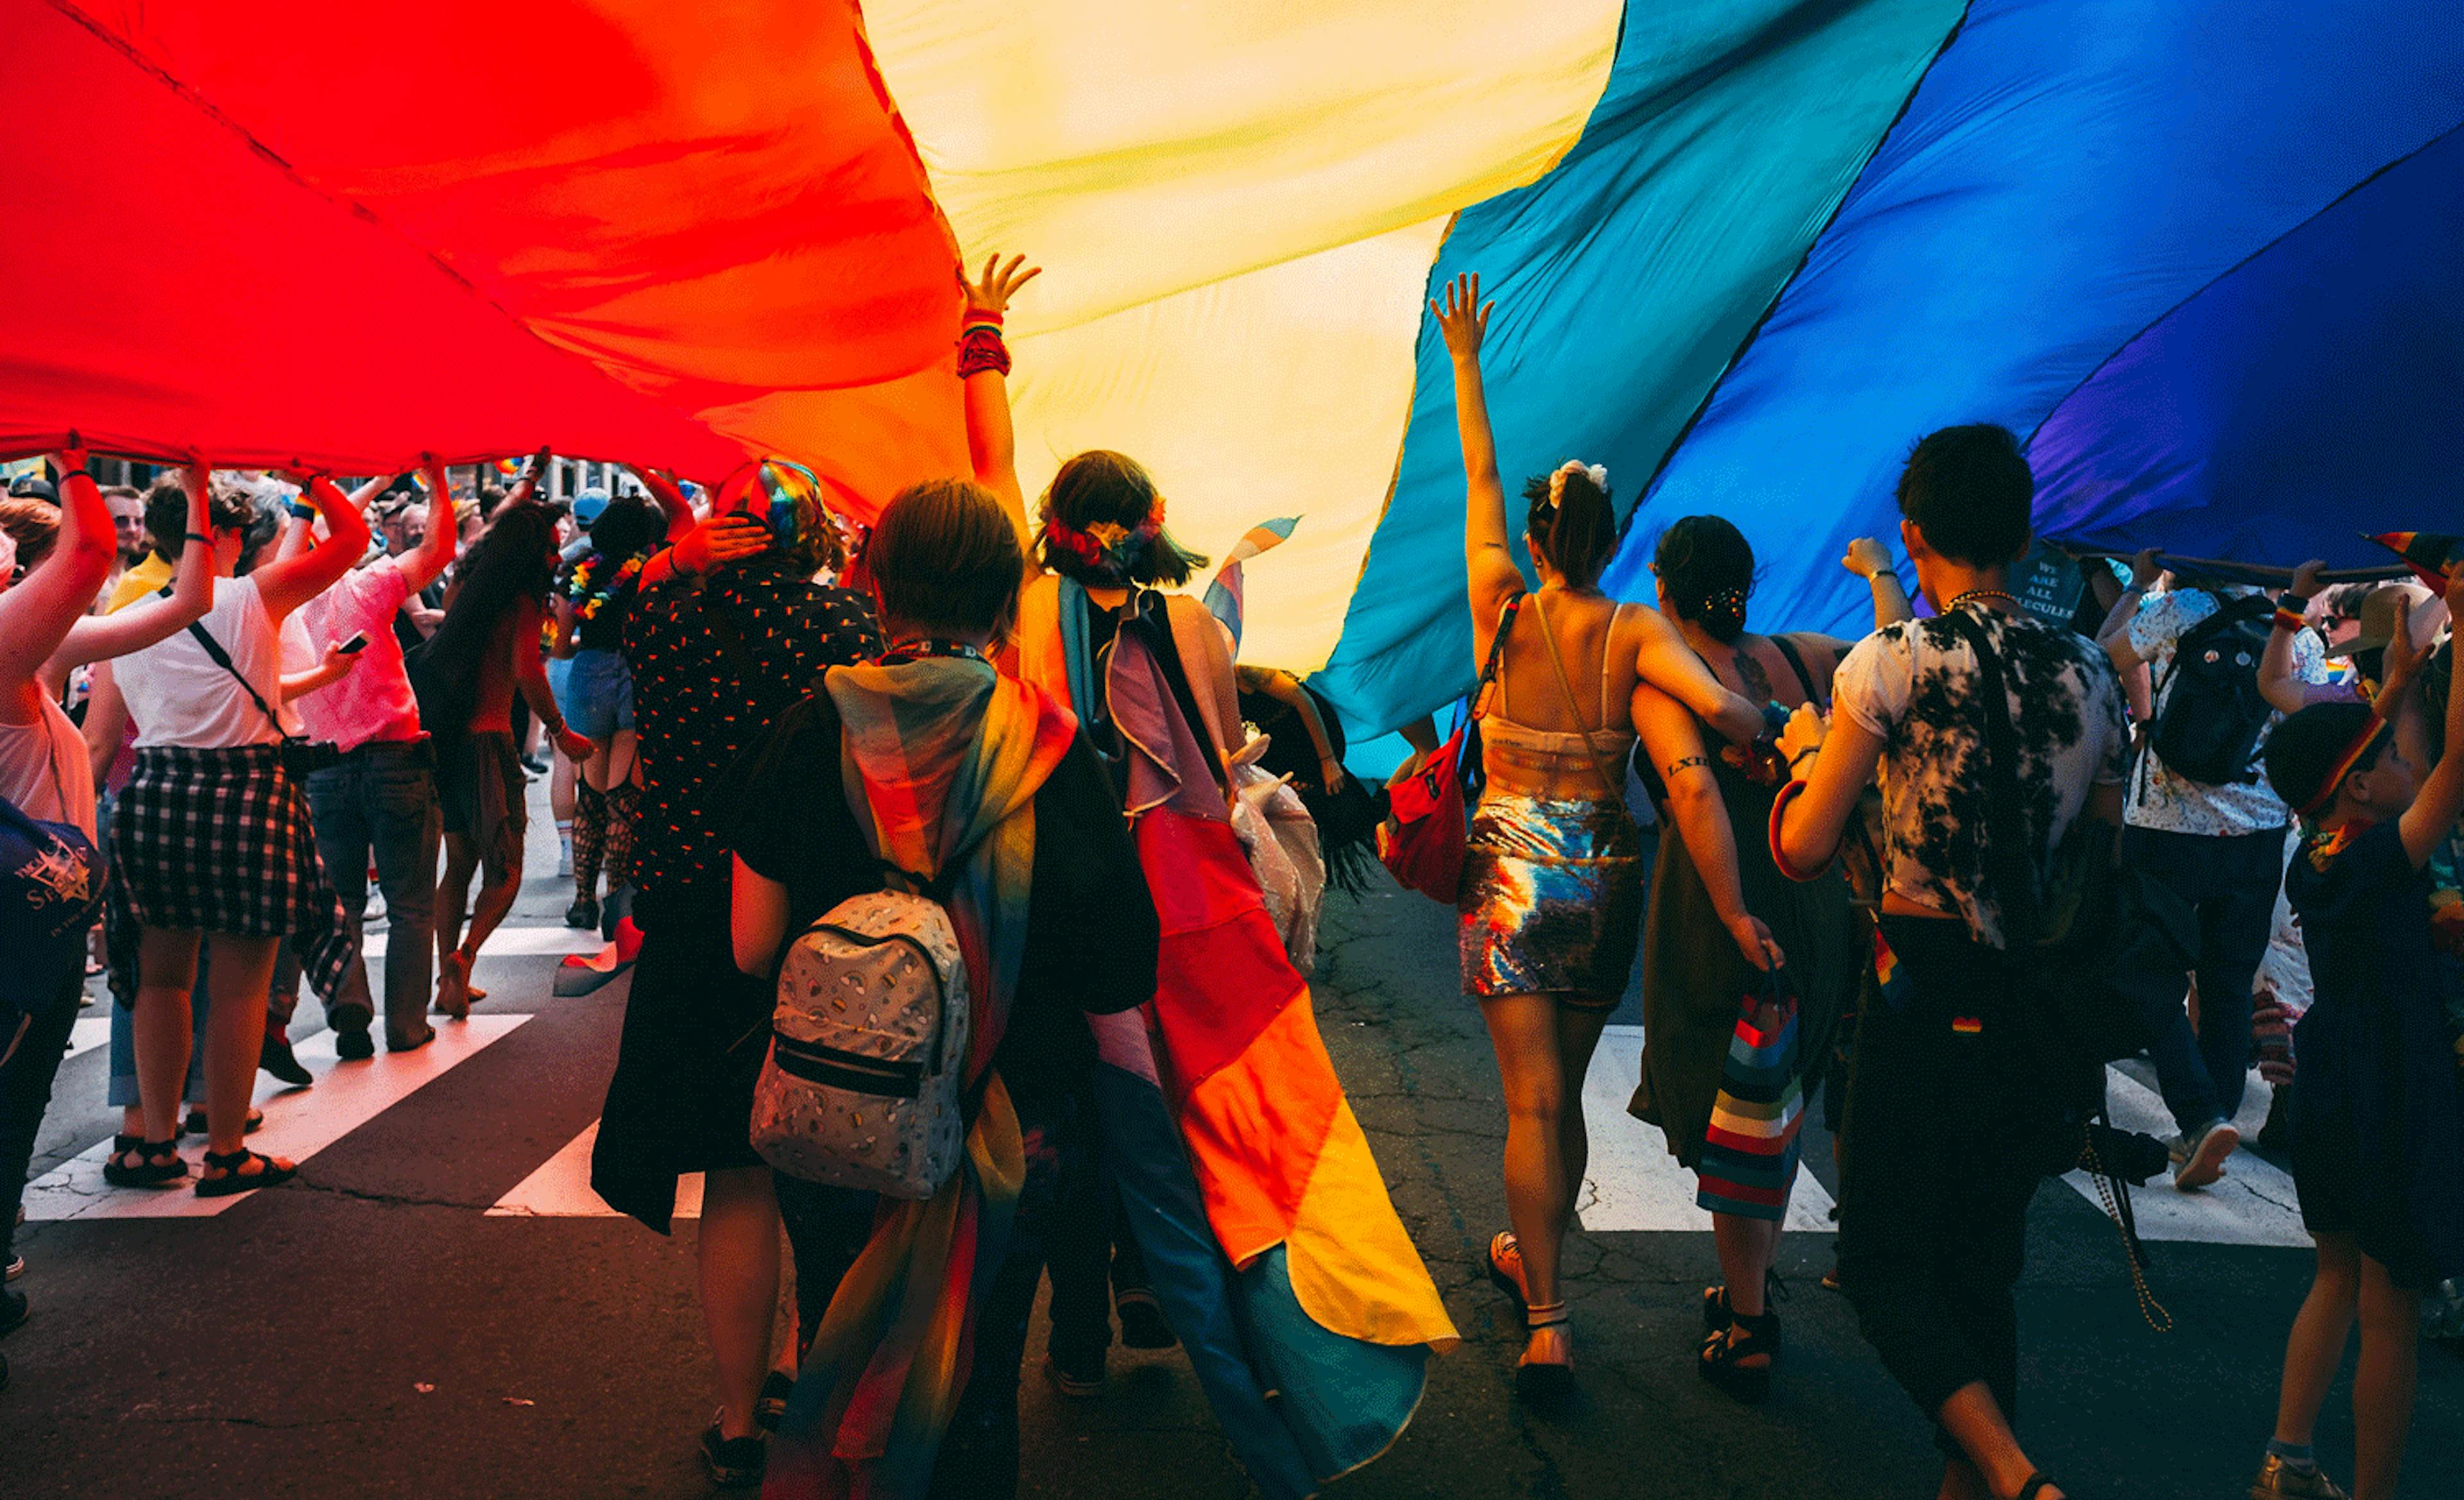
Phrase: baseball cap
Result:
[587,505]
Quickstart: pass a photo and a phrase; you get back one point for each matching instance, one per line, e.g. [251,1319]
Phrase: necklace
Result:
[2013,600]
[919,648]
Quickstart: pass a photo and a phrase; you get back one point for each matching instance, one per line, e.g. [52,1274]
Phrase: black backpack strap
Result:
[2006,860]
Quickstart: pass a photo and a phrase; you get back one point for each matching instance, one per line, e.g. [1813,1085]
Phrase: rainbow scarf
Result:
[941,758]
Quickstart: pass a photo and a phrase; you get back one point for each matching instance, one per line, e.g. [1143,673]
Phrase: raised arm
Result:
[530,676]
[100,637]
[1871,560]
[39,612]
[2113,634]
[2434,812]
[425,563]
[1836,759]
[292,581]
[668,497]
[992,446]
[1489,555]
[1673,737]
[1286,688]
[2277,682]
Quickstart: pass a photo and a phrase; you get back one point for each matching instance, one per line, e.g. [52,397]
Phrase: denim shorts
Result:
[597,694]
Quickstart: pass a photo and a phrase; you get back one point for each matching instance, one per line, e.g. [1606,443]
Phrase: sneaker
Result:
[1142,1321]
[354,1045]
[2204,1151]
[734,1462]
[2277,1478]
[1077,1382]
[273,1056]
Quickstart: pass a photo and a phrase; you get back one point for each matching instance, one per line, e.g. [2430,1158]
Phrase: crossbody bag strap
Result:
[2013,869]
[221,658]
[1505,616]
[1574,704]
[1796,664]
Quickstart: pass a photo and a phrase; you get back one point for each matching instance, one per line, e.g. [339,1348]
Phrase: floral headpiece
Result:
[1104,548]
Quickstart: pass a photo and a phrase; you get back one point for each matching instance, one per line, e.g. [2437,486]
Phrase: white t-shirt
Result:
[43,769]
[2161,798]
[177,693]
[1914,685]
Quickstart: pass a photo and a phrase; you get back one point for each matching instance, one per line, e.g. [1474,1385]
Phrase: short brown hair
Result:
[33,524]
[944,556]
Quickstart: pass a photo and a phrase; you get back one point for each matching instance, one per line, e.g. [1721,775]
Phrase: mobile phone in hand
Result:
[355,645]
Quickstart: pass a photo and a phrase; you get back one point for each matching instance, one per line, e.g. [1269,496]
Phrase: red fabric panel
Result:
[1222,975]
[350,233]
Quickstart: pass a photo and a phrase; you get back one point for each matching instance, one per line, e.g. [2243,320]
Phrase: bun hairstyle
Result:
[1707,569]
[1571,522]
[1102,526]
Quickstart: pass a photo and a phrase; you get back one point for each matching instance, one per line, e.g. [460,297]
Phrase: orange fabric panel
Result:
[1255,1129]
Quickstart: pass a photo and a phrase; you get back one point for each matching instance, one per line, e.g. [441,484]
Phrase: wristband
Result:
[2289,619]
[980,349]
[1803,753]
[301,511]
[198,536]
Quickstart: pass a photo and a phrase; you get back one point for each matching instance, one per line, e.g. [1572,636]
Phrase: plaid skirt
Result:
[219,841]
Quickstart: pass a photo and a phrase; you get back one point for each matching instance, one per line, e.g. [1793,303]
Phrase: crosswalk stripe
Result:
[2254,1205]
[298,1123]
[560,1188]
[1632,1182]
[512,942]
[85,1035]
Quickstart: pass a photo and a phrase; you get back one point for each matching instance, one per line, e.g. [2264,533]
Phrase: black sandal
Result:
[195,1123]
[1717,1314]
[2037,1485]
[234,1180]
[1537,1382]
[1745,1337]
[152,1170]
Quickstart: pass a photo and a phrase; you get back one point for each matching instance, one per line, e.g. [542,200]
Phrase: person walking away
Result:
[486,650]
[1933,1216]
[928,762]
[729,633]
[2378,1106]
[51,875]
[377,803]
[1551,903]
[1722,915]
[2209,829]
[212,848]
[594,595]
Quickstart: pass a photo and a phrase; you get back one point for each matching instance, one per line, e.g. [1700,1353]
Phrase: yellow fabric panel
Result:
[1352,1264]
[1235,205]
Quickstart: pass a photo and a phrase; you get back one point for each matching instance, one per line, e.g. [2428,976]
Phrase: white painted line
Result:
[2254,1205]
[1634,1182]
[560,1188]
[298,1123]
[86,1033]
[512,942]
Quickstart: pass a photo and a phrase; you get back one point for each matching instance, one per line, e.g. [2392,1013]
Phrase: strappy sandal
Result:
[1718,1313]
[236,1180]
[1744,1339]
[158,1162]
[195,1123]
[1501,1246]
[1543,1381]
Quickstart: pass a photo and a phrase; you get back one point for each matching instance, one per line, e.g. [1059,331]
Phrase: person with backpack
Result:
[731,633]
[928,771]
[2378,1059]
[2201,821]
[1996,735]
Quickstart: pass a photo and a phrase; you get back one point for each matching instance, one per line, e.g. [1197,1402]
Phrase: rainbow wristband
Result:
[2290,619]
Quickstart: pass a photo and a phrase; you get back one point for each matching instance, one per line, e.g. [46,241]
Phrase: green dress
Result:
[1693,977]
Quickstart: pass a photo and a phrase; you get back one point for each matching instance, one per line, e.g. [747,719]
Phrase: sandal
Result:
[1502,1248]
[2037,1485]
[195,1123]
[1744,1339]
[1542,1382]
[158,1162]
[1717,1314]
[233,1179]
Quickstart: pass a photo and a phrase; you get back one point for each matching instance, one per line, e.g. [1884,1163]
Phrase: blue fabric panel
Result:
[2314,393]
[1625,279]
[2068,173]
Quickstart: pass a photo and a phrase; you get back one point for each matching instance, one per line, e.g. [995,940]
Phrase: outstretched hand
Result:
[991,291]
[1462,318]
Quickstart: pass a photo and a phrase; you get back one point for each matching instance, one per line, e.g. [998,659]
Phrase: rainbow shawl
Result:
[941,758]
[1272,1243]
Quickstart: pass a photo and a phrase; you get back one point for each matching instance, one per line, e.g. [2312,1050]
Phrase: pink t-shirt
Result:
[373,701]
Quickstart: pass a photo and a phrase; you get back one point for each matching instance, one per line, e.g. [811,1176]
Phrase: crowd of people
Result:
[1947,871]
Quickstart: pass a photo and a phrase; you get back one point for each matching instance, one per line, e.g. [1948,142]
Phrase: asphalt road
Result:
[435,1309]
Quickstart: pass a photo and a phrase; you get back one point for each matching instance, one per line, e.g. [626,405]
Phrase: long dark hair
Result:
[1707,568]
[1103,525]
[515,560]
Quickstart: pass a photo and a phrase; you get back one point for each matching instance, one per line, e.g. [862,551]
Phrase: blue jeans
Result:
[380,802]
[2231,883]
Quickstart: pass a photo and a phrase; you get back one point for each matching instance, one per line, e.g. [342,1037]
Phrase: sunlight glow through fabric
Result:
[1750,249]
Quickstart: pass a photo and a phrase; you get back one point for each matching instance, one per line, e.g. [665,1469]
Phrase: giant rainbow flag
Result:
[2200,252]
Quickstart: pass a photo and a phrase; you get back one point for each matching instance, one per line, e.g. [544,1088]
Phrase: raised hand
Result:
[990,292]
[433,469]
[71,458]
[1462,318]
[2146,568]
[1866,557]
[2305,585]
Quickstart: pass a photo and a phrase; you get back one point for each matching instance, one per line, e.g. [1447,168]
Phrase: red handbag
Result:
[1421,840]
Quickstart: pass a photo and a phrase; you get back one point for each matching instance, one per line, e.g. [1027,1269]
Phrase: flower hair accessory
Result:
[1598,473]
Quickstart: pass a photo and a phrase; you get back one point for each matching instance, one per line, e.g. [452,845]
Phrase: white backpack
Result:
[862,1085]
